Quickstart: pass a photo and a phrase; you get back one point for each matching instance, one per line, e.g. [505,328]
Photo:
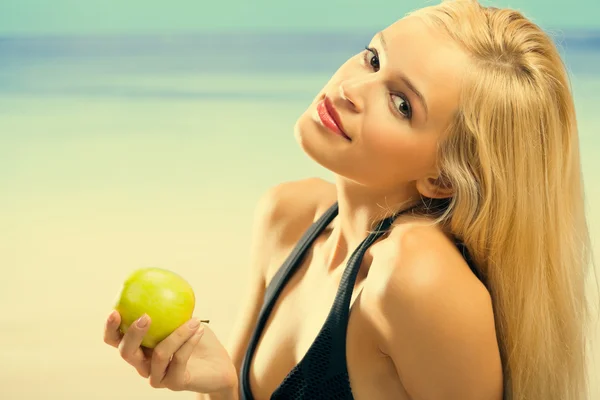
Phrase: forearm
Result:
[229,394]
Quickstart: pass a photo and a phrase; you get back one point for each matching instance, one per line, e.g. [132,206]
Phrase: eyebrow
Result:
[404,79]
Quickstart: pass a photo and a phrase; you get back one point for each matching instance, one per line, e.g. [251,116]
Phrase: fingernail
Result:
[142,321]
[193,324]
[112,316]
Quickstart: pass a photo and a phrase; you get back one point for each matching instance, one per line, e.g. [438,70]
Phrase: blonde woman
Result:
[446,262]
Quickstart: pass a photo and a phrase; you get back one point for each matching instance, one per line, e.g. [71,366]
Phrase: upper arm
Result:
[437,326]
[282,212]
[252,299]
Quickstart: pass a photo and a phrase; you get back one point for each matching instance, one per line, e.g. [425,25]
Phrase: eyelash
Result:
[373,51]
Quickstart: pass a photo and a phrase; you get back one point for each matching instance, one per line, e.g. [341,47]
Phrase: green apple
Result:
[165,296]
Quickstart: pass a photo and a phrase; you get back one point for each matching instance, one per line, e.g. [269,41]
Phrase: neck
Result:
[360,208]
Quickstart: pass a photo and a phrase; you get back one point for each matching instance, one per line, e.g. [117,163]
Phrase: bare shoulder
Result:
[280,212]
[285,211]
[294,202]
[434,318]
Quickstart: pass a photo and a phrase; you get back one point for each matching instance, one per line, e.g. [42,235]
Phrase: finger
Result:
[165,349]
[130,345]
[112,334]
[177,375]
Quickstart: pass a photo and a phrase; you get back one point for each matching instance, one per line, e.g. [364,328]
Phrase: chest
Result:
[295,321]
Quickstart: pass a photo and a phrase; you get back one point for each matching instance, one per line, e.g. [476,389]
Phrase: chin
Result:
[329,154]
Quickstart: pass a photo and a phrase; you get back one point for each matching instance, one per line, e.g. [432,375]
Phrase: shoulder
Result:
[283,213]
[434,318]
[294,202]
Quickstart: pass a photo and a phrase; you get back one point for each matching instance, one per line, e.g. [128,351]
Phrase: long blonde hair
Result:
[512,157]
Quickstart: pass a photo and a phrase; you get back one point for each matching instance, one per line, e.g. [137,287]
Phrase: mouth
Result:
[330,117]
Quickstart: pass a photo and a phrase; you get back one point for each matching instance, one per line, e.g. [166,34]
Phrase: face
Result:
[392,103]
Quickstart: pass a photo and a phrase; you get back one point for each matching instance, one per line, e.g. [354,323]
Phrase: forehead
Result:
[430,59]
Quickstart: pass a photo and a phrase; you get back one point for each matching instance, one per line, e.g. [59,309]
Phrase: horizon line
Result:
[565,31]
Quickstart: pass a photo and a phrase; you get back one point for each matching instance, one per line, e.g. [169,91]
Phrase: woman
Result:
[454,233]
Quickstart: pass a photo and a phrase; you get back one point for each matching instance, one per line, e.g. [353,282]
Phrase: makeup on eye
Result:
[371,50]
[373,63]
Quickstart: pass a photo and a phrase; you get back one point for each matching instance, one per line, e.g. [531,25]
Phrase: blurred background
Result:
[137,133]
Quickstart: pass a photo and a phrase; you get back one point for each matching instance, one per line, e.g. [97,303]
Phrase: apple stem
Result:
[206,321]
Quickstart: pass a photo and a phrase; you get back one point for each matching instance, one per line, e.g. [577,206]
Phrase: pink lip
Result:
[330,118]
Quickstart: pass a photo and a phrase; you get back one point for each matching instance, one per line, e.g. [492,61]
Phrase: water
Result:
[122,152]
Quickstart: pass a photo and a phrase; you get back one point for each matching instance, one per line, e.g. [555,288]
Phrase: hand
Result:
[191,358]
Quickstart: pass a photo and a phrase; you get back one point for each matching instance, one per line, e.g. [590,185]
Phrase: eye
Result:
[372,58]
[402,105]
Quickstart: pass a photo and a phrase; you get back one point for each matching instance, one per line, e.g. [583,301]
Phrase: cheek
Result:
[400,150]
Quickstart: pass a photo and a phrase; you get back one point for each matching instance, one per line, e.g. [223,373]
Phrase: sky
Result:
[97,17]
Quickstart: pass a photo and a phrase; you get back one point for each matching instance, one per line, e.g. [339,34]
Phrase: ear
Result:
[435,187]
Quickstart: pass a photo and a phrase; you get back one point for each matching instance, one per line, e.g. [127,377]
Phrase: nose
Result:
[353,92]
